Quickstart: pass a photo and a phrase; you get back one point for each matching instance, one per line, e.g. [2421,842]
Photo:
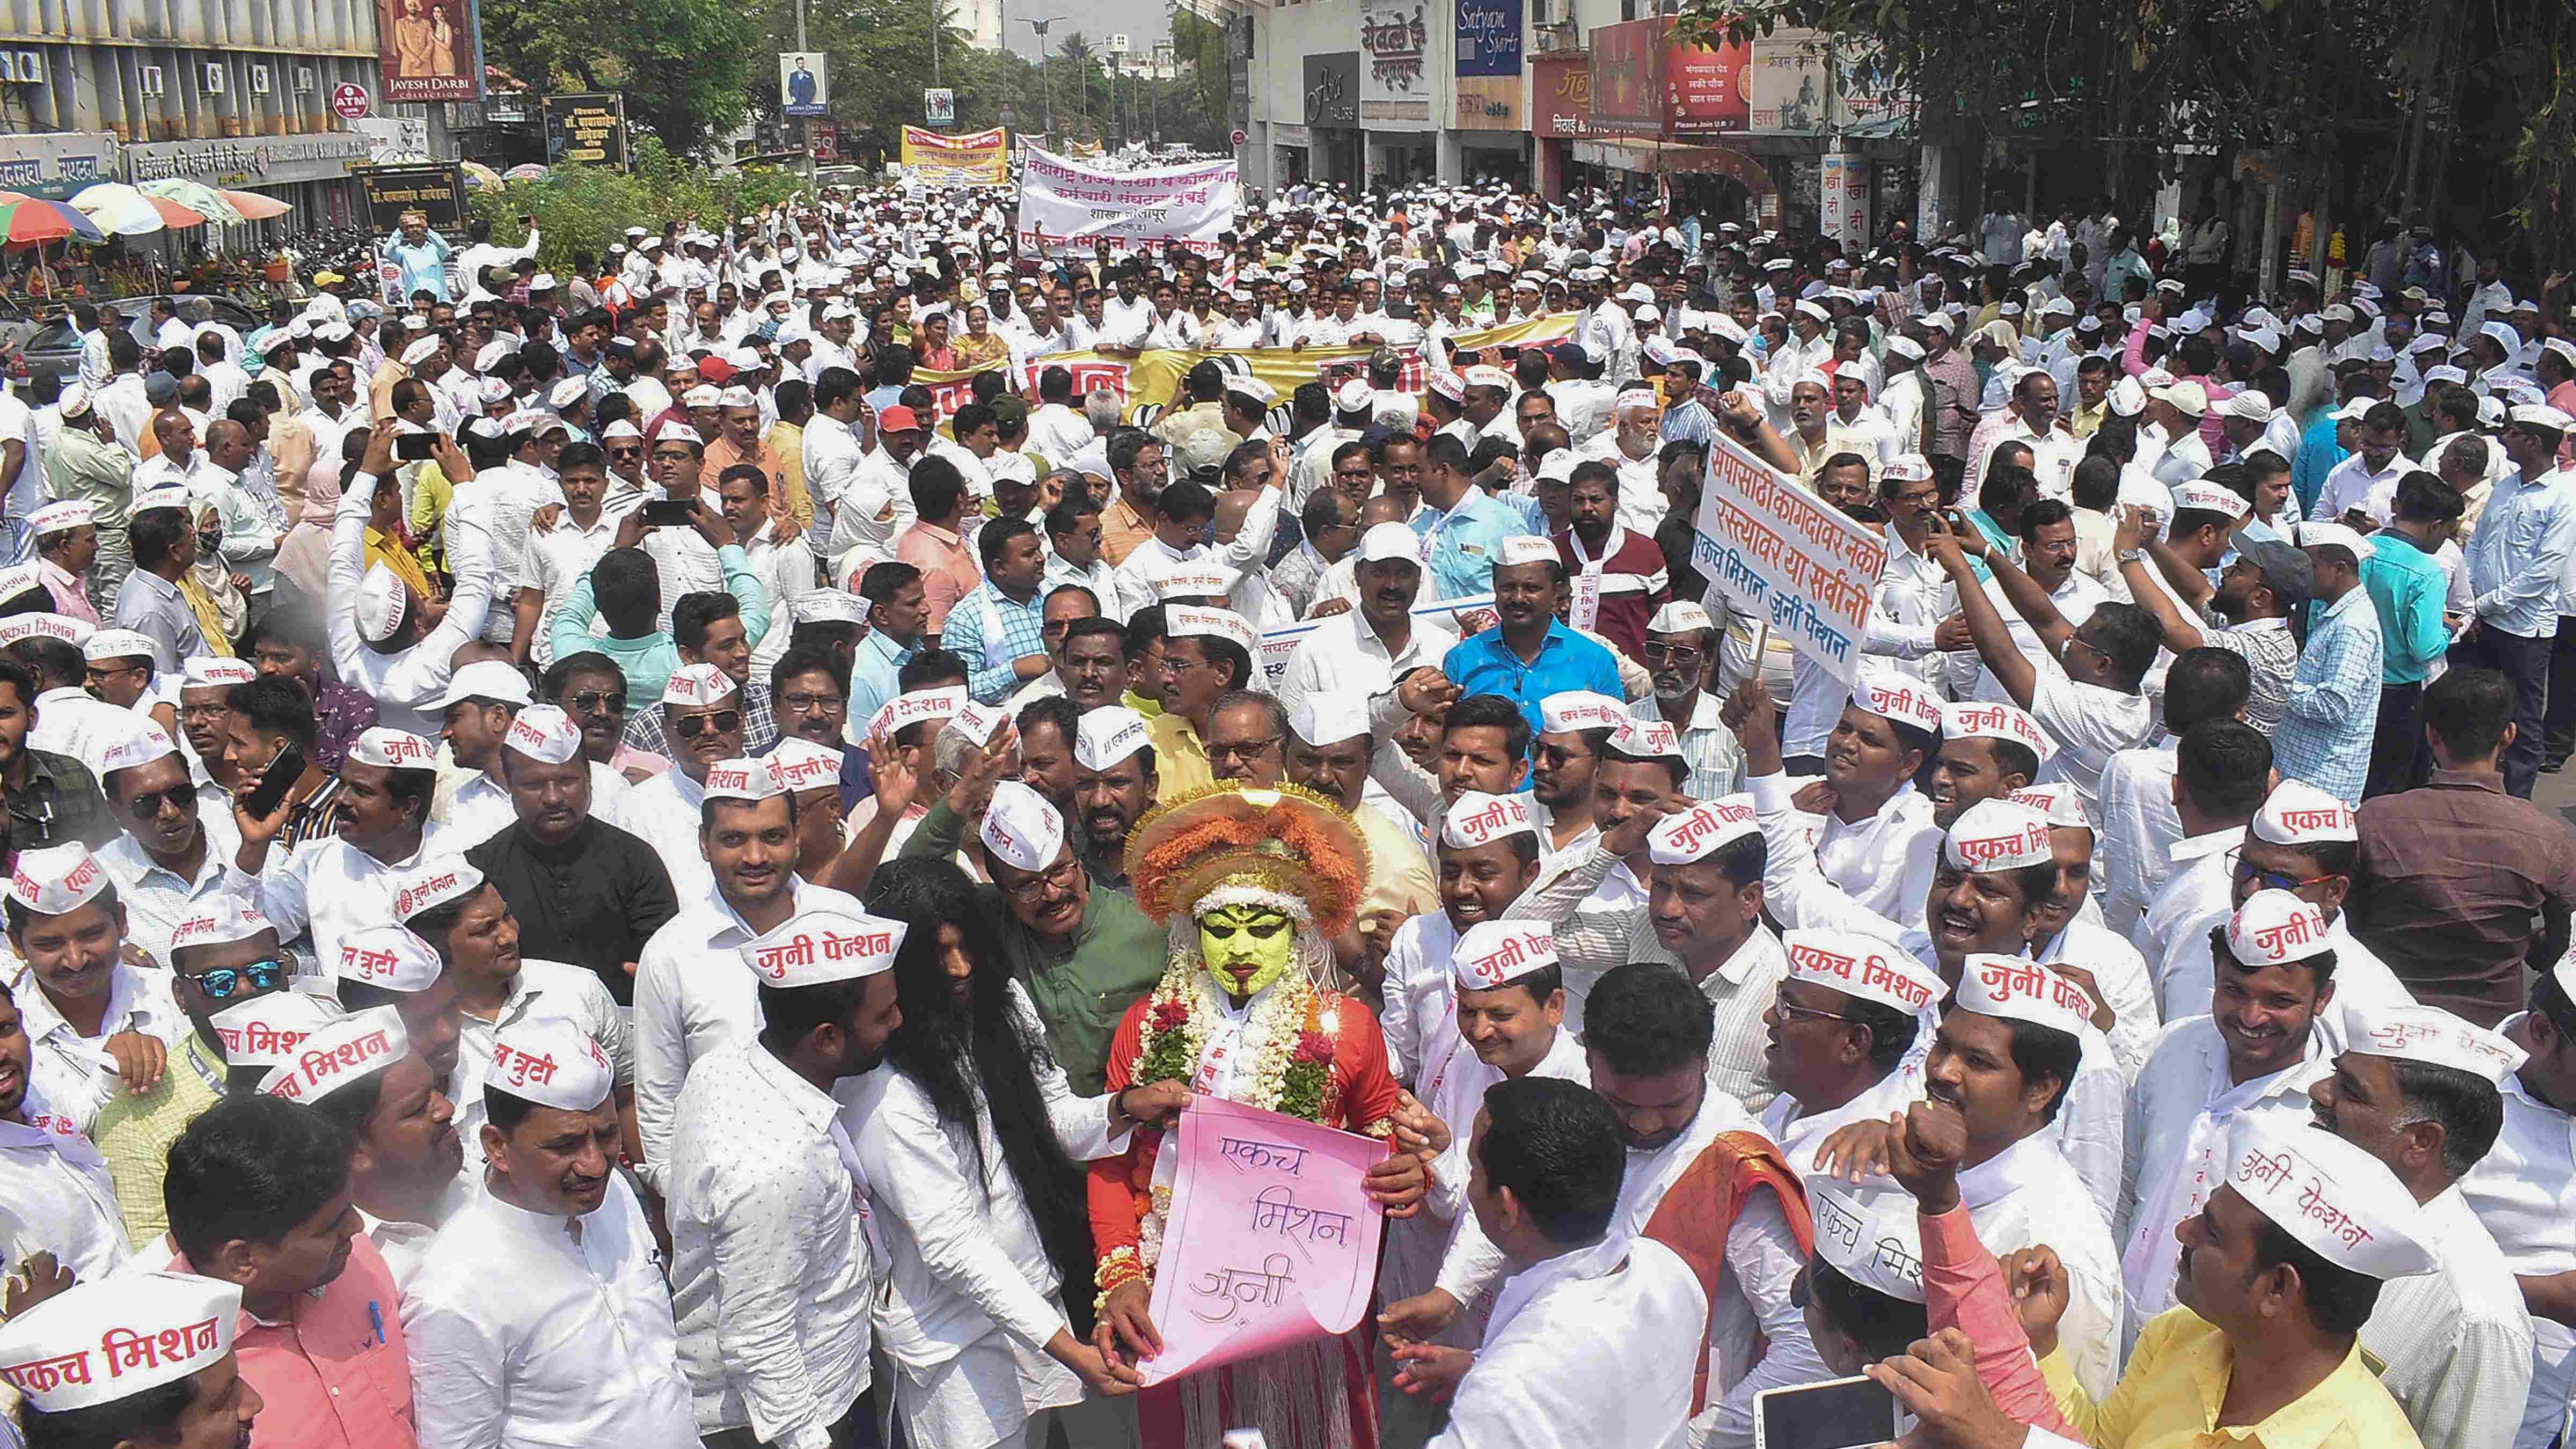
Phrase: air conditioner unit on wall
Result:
[212,76]
[31,67]
[259,80]
[151,83]
[305,80]
[8,66]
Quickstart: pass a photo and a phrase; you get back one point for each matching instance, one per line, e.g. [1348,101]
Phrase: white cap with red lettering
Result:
[1647,739]
[1021,829]
[2335,1198]
[1497,953]
[1858,964]
[1570,711]
[2435,1037]
[1185,621]
[349,1050]
[1998,835]
[117,1338]
[393,958]
[819,947]
[388,748]
[229,919]
[1980,721]
[434,883]
[805,765]
[1111,733]
[2058,801]
[2275,928]
[56,880]
[551,1062]
[694,686]
[1703,830]
[1906,701]
[1882,1252]
[262,1031]
[2298,813]
[544,733]
[743,779]
[1477,818]
[2017,988]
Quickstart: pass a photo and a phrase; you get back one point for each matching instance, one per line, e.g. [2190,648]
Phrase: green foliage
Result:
[584,208]
[683,64]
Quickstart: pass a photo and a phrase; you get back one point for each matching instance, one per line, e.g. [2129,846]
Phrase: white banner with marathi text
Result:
[1064,202]
[1786,557]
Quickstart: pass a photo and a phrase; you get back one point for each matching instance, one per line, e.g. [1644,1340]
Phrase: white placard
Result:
[1065,202]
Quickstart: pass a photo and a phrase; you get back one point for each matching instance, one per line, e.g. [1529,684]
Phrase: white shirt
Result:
[2120,969]
[2352,484]
[1344,653]
[552,563]
[663,813]
[479,810]
[2520,1191]
[329,888]
[405,685]
[2139,828]
[503,500]
[1884,864]
[873,506]
[2090,724]
[683,1011]
[1578,1353]
[74,1073]
[1058,431]
[967,1259]
[2029,1194]
[1802,1134]
[2457,1342]
[542,990]
[2180,1113]
[56,1195]
[156,899]
[770,1270]
[523,1338]
[2076,598]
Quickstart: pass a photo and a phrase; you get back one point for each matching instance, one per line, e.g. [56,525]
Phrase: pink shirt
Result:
[948,569]
[336,1374]
[1964,1286]
[69,600]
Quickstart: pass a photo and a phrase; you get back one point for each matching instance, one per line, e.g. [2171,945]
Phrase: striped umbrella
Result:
[32,219]
[197,196]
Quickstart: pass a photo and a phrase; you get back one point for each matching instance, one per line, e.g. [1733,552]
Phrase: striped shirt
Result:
[2334,700]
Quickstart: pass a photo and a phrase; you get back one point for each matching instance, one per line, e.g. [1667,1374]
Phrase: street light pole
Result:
[804,124]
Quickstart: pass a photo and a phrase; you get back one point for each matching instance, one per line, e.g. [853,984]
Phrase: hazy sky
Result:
[1142,20]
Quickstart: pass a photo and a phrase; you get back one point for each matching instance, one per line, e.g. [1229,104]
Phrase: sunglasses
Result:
[149,804]
[225,982]
[723,722]
[596,701]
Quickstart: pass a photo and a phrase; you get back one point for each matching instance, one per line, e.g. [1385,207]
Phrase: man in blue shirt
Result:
[421,254]
[1467,524]
[1529,655]
[2324,738]
[2408,586]
[897,610]
[2517,559]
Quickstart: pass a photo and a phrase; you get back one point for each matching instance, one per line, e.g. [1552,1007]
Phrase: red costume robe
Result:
[1319,1395]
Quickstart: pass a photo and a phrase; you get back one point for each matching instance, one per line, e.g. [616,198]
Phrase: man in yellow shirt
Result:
[2279,1270]
[1207,654]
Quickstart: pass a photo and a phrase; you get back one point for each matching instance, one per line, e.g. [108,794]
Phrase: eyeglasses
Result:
[225,982]
[597,701]
[150,803]
[723,722]
[1792,1011]
[1246,751]
[1681,657]
[2248,873]
[1029,892]
[811,703]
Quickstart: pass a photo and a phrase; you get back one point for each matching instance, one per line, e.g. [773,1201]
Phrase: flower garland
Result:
[1290,1039]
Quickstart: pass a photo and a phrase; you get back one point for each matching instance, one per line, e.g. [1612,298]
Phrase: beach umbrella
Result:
[120,210]
[529,171]
[478,174]
[197,196]
[33,219]
[255,207]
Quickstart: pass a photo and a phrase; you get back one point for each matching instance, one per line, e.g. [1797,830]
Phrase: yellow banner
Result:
[982,159]
[1155,377]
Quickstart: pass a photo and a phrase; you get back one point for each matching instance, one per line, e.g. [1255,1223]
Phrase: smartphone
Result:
[1850,1413]
[281,775]
[667,513]
[416,447]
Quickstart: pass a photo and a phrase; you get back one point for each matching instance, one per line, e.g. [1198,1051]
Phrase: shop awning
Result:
[1650,157]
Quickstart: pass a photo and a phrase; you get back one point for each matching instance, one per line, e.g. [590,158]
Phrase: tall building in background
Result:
[232,95]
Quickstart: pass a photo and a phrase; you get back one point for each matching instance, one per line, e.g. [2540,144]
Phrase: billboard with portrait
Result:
[804,86]
[430,50]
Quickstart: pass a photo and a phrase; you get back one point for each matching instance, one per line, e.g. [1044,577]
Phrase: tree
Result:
[681,63]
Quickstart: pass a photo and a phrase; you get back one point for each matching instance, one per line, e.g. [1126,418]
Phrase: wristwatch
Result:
[2131,555]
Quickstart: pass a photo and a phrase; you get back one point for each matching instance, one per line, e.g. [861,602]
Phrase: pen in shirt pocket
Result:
[376,1317]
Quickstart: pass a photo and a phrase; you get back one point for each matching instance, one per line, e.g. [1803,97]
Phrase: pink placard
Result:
[1271,1239]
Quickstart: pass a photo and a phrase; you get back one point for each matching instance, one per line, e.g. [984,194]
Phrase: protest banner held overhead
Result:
[1065,203]
[1782,555]
[981,159]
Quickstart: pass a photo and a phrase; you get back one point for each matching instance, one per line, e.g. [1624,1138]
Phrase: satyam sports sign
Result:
[982,159]
[1784,556]
[1063,202]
